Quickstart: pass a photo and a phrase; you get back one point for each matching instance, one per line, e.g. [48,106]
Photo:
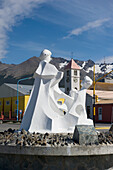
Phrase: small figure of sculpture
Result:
[43,113]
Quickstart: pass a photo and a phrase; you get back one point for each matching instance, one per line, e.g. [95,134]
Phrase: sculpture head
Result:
[45,55]
[86,83]
[74,93]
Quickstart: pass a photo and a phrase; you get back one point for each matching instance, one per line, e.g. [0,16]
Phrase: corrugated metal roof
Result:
[103,86]
[24,89]
[101,94]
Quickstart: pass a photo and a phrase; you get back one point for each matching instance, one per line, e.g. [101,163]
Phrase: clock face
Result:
[75,80]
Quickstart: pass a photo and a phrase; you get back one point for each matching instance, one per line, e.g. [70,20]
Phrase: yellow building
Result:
[8,100]
[1,105]
[6,106]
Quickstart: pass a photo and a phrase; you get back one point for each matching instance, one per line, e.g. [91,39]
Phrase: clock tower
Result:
[72,76]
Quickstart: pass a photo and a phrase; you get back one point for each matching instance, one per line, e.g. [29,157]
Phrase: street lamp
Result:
[17,91]
[94,83]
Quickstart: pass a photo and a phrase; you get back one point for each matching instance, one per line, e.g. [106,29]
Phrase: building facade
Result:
[103,106]
[72,76]
[104,111]
[8,100]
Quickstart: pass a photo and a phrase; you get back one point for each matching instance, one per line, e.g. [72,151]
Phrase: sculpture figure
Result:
[76,114]
[43,113]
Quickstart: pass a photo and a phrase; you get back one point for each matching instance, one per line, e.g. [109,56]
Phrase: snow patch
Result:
[97,69]
[109,68]
[62,64]
[83,64]
[89,69]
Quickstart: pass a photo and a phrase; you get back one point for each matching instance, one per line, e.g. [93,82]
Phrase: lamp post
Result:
[17,92]
[94,83]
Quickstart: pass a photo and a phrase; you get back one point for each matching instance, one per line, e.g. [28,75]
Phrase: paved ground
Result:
[102,127]
[5,126]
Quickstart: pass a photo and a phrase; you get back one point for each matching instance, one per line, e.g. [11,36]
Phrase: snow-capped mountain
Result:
[87,68]
[10,73]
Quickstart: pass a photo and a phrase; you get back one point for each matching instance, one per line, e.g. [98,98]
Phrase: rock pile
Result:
[106,137]
[24,138]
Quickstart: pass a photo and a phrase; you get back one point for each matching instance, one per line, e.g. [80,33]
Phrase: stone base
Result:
[56,158]
[85,134]
[34,162]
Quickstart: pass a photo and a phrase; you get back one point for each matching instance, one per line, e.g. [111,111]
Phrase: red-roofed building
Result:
[103,107]
[72,76]
[72,65]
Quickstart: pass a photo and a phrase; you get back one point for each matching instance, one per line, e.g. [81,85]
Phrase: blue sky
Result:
[84,27]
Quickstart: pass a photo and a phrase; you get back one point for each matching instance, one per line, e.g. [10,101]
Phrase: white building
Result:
[108,80]
[72,76]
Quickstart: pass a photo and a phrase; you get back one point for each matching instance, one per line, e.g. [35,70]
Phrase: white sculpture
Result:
[43,113]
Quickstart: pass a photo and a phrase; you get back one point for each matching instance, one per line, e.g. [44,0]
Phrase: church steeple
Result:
[72,76]
[72,65]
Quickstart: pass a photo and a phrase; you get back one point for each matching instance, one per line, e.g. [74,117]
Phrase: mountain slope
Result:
[10,73]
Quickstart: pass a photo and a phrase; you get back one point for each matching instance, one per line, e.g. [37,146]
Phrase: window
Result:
[68,73]
[7,102]
[75,72]
[0,103]
[100,113]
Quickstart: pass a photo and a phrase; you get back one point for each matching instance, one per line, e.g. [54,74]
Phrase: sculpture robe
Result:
[42,106]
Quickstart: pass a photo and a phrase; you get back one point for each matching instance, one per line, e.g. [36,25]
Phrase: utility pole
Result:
[94,94]
[18,94]
[94,83]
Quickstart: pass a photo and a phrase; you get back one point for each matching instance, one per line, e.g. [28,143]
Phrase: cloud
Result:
[88,26]
[12,11]
[107,59]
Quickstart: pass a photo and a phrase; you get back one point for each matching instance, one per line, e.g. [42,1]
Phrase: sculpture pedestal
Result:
[85,134]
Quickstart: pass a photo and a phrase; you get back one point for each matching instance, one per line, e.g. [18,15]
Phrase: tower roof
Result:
[72,65]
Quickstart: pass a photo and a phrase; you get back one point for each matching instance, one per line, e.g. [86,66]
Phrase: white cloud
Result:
[11,11]
[107,59]
[88,26]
